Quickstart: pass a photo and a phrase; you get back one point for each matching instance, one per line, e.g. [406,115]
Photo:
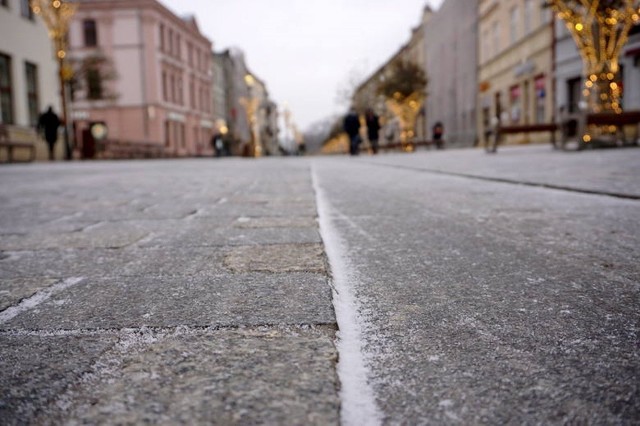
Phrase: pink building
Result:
[143,72]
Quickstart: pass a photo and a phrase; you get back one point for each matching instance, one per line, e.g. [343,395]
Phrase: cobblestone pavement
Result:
[493,289]
[164,291]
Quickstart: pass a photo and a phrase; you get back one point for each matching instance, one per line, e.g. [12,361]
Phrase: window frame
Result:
[513,25]
[90,32]
[33,91]
[95,87]
[6,92]
[26,11]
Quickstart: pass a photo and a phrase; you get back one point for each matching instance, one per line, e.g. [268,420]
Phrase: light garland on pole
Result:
[57,15]
[600,29]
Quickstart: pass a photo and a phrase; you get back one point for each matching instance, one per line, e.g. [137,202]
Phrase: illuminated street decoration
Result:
[403,90]
[250,105]
[600,29]
[57,15]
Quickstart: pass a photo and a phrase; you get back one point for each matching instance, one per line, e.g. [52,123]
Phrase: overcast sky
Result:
[306,50]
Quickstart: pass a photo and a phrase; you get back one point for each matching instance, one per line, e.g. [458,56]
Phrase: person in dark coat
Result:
[438,131]
[373,129]
[48,123]
[352,128]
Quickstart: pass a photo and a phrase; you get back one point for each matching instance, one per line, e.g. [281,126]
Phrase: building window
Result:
[172,92]
[528,15]
[90,33]
[164,86]
[513,25]
[31,77]
[170,42]
[192,93]
[6,94]
[496,38]
[162,37]
[94,84]
[25,9]
[178,46]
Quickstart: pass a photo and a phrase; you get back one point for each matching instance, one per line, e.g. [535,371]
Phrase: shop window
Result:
[541,95]
[31,77]
[167,133]
[620,81]
[6,93]
[90,33]
[515,95]
[574,94]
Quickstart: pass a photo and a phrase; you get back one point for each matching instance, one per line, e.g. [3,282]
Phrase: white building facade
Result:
[28,74]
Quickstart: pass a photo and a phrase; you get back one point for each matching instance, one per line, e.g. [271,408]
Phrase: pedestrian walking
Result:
[373,129]
[217,143]
[437,132]
[48,123]
[352,128]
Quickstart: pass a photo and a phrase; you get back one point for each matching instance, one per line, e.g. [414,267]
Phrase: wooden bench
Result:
[493,142]
[529,128]
[399,145]
[577,125]
[10,145]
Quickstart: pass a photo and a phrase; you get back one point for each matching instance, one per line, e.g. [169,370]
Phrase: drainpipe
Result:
[143,73]
[554,66]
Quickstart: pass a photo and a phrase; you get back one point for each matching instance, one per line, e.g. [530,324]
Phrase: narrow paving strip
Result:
[168,292]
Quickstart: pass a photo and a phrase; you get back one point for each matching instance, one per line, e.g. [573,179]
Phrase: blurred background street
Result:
[289,212]
[479,289]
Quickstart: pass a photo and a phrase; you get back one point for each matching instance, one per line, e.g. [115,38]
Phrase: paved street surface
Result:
[469,288]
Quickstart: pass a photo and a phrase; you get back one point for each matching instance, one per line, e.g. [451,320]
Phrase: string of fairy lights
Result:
[600,29]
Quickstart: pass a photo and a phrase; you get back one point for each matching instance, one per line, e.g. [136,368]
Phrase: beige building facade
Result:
[515,66]
[365,95]
[451,38]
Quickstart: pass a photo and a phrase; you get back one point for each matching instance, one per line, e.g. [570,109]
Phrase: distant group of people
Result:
[352,126]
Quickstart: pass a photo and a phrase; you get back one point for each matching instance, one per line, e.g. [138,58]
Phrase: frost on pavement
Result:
[357,396]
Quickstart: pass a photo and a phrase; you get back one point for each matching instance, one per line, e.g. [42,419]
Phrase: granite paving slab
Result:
[203,234]
[277,258]
[101,235]
[37,369]
[132,261]
[13,290]
[246,376]
[196,301]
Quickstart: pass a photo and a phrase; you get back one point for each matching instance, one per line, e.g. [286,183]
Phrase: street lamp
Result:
[57,15]
[250,105]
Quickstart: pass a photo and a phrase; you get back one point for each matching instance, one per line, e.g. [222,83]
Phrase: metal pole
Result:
[63,96]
